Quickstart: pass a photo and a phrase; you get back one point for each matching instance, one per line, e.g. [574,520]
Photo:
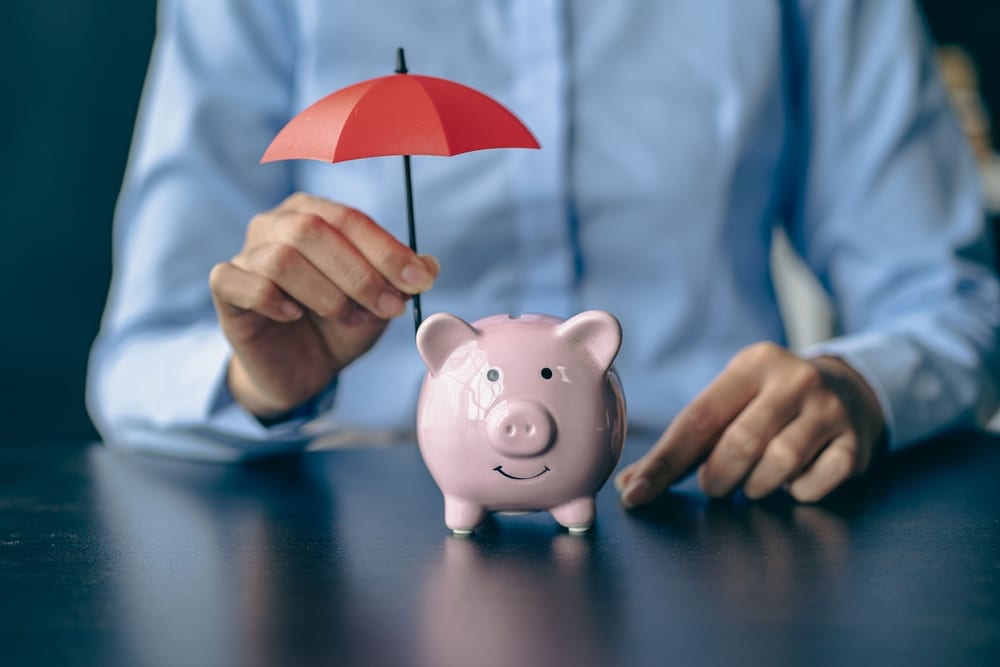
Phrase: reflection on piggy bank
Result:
[520,414]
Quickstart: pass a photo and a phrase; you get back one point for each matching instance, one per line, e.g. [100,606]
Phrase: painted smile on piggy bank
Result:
[500,470]
[507,400]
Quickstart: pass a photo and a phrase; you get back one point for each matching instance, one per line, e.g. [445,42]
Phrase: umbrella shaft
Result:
[412,230]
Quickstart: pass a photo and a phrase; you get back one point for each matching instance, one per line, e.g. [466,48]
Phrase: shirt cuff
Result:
[230,417]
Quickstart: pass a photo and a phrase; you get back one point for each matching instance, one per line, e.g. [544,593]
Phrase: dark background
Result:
[72,73]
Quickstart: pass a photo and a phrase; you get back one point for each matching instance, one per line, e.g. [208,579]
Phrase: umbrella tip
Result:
[400,61]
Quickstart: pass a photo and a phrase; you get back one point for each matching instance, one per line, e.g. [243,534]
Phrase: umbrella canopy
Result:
[400,114]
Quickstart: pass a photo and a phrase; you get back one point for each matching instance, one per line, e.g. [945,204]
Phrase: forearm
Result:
[165,392]
[890,218]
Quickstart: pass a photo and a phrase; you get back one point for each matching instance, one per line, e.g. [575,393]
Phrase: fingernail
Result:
[290,310]
[390,305]
[432,263]
[416,275]
[621,478]
[638,492]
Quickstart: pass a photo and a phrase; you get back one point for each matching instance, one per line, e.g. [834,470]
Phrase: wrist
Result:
[246,392]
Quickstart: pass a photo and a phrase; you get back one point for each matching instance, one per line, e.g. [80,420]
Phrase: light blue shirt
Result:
[675,136]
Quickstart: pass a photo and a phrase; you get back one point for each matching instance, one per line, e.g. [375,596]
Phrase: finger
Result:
[339,260]
[788,453]
[406,271]
[624,475]
[744,441]
[640,489]
[234,288]
[289,269]
[792,450]
[830,469]
[686,442]
[691,435]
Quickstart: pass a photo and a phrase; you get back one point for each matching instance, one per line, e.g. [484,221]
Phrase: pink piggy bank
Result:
[520,414]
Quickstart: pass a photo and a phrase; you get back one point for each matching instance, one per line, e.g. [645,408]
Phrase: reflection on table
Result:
[342,558]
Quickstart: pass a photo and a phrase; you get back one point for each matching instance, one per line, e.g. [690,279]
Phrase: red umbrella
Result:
[401,114]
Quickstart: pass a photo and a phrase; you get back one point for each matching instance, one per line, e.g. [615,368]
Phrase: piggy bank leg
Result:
[462,516]
[577,515]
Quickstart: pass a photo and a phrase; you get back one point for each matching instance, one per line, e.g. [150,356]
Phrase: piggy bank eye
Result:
[547,373]
[493,374]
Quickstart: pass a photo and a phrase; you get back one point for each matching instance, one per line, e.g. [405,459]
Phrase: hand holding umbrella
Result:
[400,114]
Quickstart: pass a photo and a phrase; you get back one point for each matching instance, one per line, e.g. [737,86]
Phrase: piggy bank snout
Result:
[520,428]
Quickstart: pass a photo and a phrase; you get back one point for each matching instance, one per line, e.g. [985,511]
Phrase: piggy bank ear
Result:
[438,337]
[597,331]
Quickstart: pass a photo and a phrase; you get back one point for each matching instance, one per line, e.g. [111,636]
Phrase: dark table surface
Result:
[341,557]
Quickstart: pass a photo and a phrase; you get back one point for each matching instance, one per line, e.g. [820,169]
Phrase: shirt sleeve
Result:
[218,90]
[889,216]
